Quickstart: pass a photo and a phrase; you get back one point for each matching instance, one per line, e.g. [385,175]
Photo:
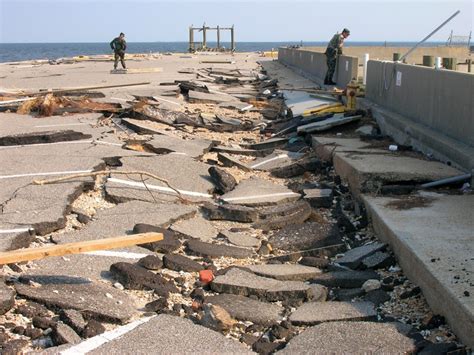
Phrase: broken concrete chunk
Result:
[74,319]
[305,236]
[275,217]
[268,144]
[345,279]
[167,334]
[244,283]
[164,144]
[196,228]
[344,337]
[259,192]
[92,329]
[181,263]
[169,244]
[77,293]
[151,262]
[134,277]
[185,174]
[230,212]
[285,272]
[43,137]
[292,169]
[64,334]
[378,260]
[230,161]
[319,197]
[217,250]
[240,239]
[312,313]
[277,159]
[353,258]
[247,309]
[224,181]
[242,151]
[7,298]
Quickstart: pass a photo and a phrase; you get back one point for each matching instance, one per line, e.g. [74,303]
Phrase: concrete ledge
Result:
[366,169]
[443,232]
[421,137]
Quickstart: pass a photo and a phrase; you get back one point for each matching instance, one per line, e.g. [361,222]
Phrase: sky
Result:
[44,21]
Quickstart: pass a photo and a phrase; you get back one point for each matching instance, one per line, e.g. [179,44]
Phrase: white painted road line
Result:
[158,188]
[281,156]
[16,230]
[45,174]
[94,342]
[118,254]
[255,197]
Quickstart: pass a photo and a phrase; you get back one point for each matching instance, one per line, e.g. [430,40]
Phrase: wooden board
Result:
[28,254]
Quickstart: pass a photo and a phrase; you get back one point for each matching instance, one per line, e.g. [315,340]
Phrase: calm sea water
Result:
[12,52]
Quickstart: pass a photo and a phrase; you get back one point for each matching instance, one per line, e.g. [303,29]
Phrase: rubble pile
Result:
[264,247]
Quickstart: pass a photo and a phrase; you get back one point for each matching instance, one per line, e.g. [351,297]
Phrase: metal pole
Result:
[366,60]
[431,34]
[232,41]
[218,38]
[204,44]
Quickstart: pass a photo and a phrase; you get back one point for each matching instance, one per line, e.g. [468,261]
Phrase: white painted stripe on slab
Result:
[165,100]
[63,124]
[281,156]
[45,174]
[99,340]
[254,197]
[118,254]
[158,188]
[16,230]
[108,143]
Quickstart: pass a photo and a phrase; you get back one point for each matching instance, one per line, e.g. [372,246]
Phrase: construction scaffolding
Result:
[202,46]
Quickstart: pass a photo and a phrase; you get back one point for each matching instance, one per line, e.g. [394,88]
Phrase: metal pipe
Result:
[450,180]
[431,34]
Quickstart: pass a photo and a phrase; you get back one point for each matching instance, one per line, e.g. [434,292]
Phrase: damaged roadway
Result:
[254,246]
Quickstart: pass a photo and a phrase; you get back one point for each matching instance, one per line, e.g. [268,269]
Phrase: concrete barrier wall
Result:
[313,64]
[386,53]
[347,70]
[442,100]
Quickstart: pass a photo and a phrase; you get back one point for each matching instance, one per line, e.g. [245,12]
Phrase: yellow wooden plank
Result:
[28,254]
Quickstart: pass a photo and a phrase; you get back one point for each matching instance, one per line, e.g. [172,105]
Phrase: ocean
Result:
[13,52]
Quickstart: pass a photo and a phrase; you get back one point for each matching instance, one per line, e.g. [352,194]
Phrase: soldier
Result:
[119,46]
[334,50]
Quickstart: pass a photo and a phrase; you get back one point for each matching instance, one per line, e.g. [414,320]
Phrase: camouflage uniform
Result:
[333,50]
[119,46]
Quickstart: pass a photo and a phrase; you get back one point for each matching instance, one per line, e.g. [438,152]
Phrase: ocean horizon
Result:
[15,52]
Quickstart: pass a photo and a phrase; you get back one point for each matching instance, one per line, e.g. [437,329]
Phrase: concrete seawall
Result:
[313,65]
[432,110]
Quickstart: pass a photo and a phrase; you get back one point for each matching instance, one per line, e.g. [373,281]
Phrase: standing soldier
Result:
[334,50]
[119,46]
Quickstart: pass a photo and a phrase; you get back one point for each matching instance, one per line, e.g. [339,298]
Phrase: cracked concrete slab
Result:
[277,159]
[241,239]
[244,283]
[346,337]
[14,124]
[196,228]
[97,300]
[166,334]
[247,309]
[163,144]
[312,313]
[284,272]
[121,219]
[190,177]
[259,192]
[94,266]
